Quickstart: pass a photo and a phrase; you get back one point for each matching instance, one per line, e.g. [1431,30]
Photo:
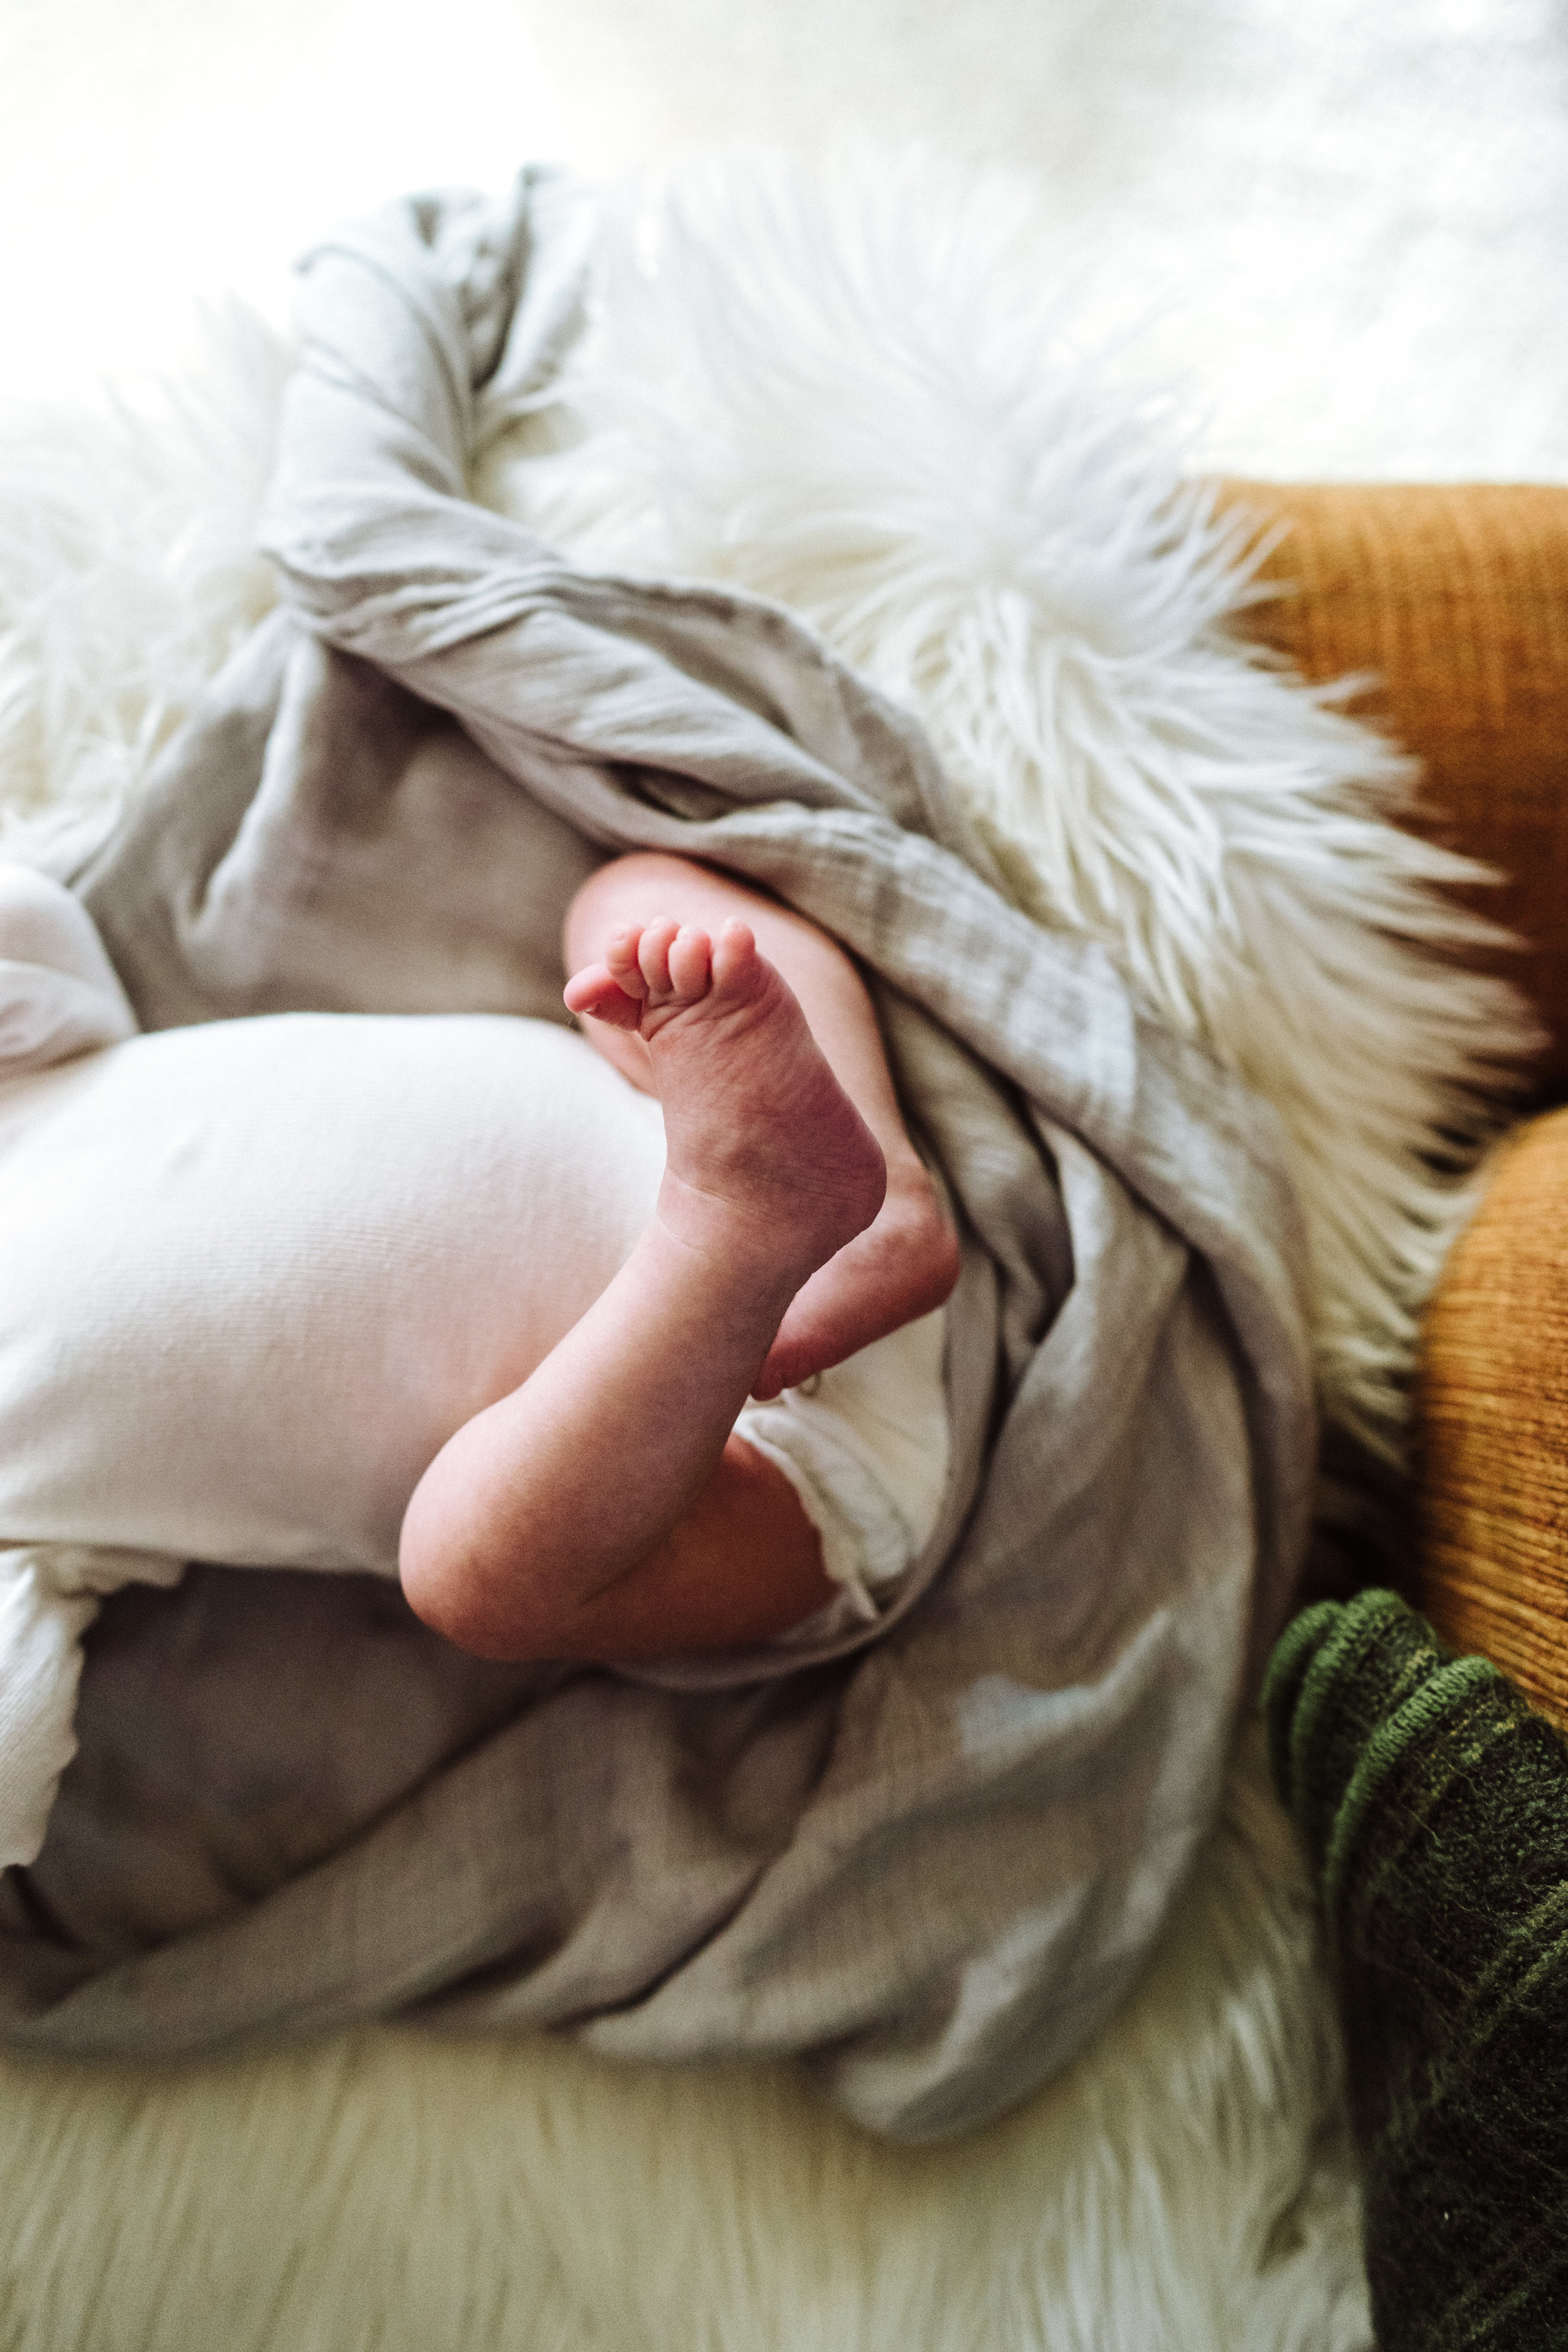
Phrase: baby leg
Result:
[905,1263]
[604,1509]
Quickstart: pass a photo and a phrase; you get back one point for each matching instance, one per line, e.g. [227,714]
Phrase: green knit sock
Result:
[1434,1805]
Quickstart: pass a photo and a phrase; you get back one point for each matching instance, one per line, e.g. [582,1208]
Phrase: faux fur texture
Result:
[128,573]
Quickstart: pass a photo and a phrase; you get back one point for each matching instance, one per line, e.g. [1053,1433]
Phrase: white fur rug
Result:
[875,409]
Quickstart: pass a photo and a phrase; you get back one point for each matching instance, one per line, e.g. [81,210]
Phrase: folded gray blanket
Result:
[929,1858]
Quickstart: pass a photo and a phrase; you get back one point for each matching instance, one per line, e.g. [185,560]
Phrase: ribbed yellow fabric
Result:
[1492,1573]
[1457,598]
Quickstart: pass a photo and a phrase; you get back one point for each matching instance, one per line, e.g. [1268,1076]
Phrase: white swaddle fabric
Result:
[48,1597]
[257,1272]
[864,1445]
[60,994]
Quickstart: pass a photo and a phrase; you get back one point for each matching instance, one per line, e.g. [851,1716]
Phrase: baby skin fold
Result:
[604,1509]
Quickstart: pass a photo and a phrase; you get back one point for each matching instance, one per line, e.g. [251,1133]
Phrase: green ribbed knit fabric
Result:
[1434,1805]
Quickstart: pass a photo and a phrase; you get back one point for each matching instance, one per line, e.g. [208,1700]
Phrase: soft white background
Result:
[1340,225]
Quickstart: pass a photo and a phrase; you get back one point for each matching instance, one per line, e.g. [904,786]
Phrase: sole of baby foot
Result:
[765,1153]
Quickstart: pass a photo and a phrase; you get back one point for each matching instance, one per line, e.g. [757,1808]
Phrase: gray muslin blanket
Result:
[930,1858]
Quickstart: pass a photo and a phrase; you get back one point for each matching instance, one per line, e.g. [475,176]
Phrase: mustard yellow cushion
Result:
[1493,1425]
[1455,598]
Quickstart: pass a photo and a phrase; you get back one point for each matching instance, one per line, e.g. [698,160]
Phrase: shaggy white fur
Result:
[128,573]
[875,410]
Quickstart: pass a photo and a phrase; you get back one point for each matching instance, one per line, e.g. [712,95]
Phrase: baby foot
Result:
[765,1154]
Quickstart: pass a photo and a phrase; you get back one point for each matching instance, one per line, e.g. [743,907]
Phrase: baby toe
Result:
[735,957]
[621,958]
[653,954]
[691,958]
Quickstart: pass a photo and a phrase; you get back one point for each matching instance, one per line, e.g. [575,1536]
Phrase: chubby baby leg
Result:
[604,1508]
[906,1262]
